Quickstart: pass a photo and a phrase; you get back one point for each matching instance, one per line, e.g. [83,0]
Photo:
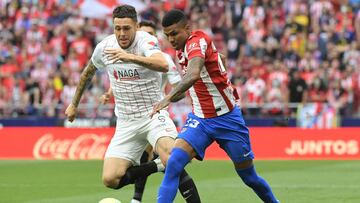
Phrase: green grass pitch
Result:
[80,182]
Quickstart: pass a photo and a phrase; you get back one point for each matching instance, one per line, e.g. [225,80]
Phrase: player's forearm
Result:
[192,75]
[156,63]
[178,97]
[85,80]
[179,91]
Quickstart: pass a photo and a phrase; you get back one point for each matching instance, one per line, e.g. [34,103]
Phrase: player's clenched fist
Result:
[105,98]
[160,105]
[70,112]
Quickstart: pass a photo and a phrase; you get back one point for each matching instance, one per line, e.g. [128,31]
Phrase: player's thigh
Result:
[114,168]
[194,135]
[162,132]
[184,145]
[163,147]
[127,143]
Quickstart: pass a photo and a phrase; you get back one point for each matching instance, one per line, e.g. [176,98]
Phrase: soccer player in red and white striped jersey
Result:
[215,116]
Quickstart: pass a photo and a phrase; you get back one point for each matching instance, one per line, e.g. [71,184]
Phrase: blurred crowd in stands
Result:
[280,53]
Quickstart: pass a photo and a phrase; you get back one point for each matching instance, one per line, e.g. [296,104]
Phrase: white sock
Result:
[159,164]
[135,201]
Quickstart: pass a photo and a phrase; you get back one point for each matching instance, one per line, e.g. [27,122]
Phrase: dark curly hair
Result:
[147,23]
[174,16]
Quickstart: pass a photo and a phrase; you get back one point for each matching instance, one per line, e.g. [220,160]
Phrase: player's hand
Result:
[160,105]
[117,54]
[71,112]
[105,98]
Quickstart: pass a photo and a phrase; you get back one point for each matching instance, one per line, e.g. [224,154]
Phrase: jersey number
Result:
[192,123]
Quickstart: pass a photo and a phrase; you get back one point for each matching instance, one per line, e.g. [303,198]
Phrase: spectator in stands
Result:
[297,90]
[254,93]
[32,97]
[337,97]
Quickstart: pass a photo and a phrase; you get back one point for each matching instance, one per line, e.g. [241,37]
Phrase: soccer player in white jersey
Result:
[172,77]
[133,62]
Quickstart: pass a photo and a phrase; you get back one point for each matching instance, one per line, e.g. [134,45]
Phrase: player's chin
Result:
[177,47]
[124,44]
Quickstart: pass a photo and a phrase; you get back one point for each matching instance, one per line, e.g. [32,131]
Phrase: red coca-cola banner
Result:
[54,143]
[267,143]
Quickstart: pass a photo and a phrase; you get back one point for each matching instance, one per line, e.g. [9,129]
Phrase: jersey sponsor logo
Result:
[183,130]
[130,74]
[247,154]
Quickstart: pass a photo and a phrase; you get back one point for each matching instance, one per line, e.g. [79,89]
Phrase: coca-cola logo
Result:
[323,147]
[85,146]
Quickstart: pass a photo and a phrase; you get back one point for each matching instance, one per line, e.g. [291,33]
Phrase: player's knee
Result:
[164,145]
[111,181]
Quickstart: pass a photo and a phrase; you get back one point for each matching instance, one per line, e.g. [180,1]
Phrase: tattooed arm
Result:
[181,96]
[191,76]
[85,80]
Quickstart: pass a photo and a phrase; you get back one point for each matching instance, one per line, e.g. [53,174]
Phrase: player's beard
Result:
[125,43]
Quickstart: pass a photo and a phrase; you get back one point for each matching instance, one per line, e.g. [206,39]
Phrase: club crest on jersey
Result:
[192,46]
[154,46]
[130,74]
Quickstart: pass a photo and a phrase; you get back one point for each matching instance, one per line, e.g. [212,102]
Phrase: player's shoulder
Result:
[109,40]
[198,34]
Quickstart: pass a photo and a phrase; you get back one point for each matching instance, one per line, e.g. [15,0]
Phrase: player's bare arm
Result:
[191,76]
[156,62]
[181,96]
[85,80]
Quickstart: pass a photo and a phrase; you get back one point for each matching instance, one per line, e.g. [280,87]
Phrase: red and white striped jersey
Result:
[212,95]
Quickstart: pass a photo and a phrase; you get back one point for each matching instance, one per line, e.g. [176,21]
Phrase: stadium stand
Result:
[282,54]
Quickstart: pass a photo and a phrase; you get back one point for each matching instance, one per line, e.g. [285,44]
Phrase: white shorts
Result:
[132,137]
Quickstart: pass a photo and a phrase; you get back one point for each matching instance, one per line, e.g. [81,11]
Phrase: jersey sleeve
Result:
[173,74]
[97,56]
[149,45]
[196,47]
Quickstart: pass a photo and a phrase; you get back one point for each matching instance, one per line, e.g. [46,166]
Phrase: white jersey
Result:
[172,75]
[135,87]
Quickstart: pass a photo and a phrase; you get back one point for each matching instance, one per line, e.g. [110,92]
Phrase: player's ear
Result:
[187,27]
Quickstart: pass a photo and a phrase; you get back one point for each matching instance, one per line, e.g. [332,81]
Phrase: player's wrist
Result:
[74,104]
[131,57]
